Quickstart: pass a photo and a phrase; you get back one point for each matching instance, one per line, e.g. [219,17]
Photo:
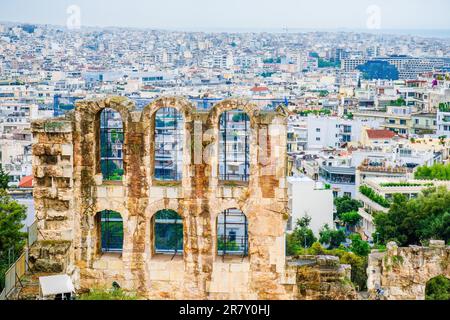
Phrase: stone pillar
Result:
[53,193]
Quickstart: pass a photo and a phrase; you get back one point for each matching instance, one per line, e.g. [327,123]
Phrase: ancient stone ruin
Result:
[402,273]
[70,194]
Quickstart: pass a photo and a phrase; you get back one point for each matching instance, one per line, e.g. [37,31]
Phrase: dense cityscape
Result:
[367,124]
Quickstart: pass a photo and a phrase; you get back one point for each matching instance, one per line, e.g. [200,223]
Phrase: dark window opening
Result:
[232,233]
[234,151]
[168,230]
[169,140]
[111,226]
[111,145]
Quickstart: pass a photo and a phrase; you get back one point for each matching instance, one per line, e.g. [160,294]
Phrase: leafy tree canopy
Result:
[416,221]
[359,246]
[4,179]
[332,238]
[351,218]
[437,171]
[11,237]
[438,288]
[346,204]
[301,237]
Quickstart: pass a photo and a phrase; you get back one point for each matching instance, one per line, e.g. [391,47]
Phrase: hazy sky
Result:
[234,14]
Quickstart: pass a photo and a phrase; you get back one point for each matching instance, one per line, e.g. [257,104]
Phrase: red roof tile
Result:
[380,134]
[259,89]
[26,182]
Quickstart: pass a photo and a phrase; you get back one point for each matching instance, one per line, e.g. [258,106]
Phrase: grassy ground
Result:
[112,294]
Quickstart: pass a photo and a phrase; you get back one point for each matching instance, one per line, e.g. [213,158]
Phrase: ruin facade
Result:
[70,192]
[402,273]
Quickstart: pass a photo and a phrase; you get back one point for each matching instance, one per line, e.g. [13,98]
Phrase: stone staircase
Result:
[29,288]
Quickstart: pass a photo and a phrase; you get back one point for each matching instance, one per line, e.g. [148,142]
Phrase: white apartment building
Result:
[443,123]
[311,198]
[332,132]
[297,134]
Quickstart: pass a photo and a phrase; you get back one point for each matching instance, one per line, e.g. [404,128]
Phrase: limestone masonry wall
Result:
[402,273]
[69,191]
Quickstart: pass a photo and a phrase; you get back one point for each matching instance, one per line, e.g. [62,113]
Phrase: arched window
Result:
[234,148]
[111,145]
[111,231]
[232,233]
[169,141]
[168,231]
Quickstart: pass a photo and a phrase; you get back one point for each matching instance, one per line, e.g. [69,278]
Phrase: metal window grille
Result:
[232,233]
[111,145]
[169,140]
[168,230]
[111,226]
[234,147]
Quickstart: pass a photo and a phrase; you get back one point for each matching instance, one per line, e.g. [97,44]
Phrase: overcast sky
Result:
[234,14]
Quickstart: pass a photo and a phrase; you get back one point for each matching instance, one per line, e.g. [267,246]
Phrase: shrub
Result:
[351,218]
[438,288]
[359,246]
[358,263]
[372,195]
[405,184]
[302,236]
[437,171]
[112,294]
[332,238]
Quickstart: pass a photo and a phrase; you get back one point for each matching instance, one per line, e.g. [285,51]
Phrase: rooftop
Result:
[380,134]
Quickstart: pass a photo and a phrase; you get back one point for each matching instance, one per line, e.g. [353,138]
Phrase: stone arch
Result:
[111,204]
[165,204]
[90,108]
[212,134]
[148,115]
[245,105]
[179,103]
[87,116]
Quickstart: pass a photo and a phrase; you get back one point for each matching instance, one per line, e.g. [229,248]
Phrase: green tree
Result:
[399,102]
[359,267]
[438,288]
[437,171]
[301,237]
[359,246]
[416,221]
[350,219]
[332,238]
[346,204]
[12,239]
[4,179]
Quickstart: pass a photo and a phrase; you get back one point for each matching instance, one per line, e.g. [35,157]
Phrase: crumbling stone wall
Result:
[319,277]
[70,191]
[402,273]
